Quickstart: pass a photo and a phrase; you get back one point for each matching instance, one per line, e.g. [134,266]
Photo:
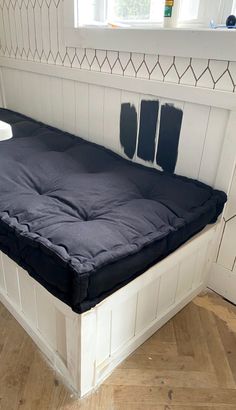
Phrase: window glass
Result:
[189,10]
[135,10]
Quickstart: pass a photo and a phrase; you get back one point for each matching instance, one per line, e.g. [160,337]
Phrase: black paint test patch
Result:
[128,129]
[168,143]
[147,130]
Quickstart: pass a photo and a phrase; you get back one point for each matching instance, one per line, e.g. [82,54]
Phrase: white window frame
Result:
[198,42]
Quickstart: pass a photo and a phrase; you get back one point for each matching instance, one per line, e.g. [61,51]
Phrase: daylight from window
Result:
[150,12]
[189,10]
[122,11]
[135,10]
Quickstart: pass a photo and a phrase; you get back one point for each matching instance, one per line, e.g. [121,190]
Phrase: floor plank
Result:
[189,364]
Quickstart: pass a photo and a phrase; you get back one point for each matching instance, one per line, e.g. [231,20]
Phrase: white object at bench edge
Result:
[5,131]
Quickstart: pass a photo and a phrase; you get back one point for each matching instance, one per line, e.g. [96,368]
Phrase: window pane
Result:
[136,10]
[132,9]
[86,11]
[189,10]
[127,11]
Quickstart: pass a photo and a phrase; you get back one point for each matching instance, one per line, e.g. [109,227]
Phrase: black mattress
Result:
[83,221]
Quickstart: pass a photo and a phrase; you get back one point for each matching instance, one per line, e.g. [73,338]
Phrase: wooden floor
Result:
[190,364]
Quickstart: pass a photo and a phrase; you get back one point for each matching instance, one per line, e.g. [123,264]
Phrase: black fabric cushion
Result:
[83,221]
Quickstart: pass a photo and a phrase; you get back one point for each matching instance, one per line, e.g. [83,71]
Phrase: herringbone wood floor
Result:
[190,364]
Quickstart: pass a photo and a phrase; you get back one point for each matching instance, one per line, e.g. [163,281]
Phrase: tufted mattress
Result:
[83,221]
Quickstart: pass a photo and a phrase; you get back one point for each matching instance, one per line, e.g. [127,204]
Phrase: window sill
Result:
[181,42]
[195,42]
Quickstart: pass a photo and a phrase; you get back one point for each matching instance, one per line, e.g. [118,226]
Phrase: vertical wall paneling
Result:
[53,30]
[192,139]
[61,43]
[2,30]
[112,102]
[82,110]
[96,110]
[45,31]
[45,99]
[57,102]
[68,91]
[25,106]
[16,89]
[27,81]
[9,86]
[32,37]
[34,103]
[27,87]
[19,93]
[19,33]
[6,27]
[12,29]
[34,30]
[217,124]
[25,30]
[38,31]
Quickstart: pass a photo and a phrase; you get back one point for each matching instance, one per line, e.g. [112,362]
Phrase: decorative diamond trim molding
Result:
[33,30]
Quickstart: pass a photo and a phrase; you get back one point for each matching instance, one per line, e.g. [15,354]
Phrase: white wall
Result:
[33,30]
[223,272]
[1,98]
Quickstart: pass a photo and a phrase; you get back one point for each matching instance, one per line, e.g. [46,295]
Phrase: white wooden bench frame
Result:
[86,348]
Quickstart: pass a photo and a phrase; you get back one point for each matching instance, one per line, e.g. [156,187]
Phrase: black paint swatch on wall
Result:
[168,143]
[147,129]
[128,129]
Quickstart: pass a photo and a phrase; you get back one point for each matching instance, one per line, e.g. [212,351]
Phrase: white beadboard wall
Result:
[33,30]
[93,113]
[81,90]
